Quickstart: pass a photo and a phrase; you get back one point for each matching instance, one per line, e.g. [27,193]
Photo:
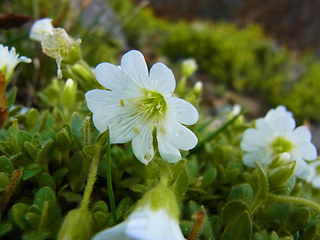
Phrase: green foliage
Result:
[46,150]
[243,59]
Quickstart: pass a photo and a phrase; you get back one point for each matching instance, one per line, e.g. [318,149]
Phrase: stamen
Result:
[135,130]
[121,102]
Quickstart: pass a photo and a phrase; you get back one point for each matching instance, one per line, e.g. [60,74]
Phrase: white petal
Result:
[24,59]
[98,99]
[113,78]
[183,111]
[168,152]
[115,233]
[100,121]
[262,156]
[39,28]
[301,133]
[162,79]
[252,140]
[306,150]
[134,64]
[123,128]
[302,170]
[153,225]
[177,135]
[316,182]
[142,145]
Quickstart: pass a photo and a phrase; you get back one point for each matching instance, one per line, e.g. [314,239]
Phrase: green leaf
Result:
[32,118]
[18,212]
[45,154]
[31,150]
[31,171]
[243,192]
[232,211]
[4,181]
[6,165]
[11,97]
[77,129]
[47,181]
[209,176]
[36,235]
[45,200]
[33,220]
[5,227]
[240,229]
[63,140]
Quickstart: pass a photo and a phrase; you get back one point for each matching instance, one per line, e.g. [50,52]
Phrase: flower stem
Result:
[295,200]
[109,181]
[91,179]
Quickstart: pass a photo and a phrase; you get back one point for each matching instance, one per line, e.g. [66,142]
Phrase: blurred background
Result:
[255,54]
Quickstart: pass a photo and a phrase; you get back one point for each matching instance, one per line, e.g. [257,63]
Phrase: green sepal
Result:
[280,175]
[76,225]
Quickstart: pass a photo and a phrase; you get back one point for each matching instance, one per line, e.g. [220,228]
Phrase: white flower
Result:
[9,59]
[60,46]
[144,224]
[138,103]
[275,135]
[314,176]
[39,28]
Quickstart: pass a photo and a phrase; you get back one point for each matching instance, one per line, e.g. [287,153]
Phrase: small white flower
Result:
[314,176]
[144,224]
[139,102]
[39,28]
[275,135]
[9,59]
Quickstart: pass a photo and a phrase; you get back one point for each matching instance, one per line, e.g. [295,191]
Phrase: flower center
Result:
[281,145]
[153,104]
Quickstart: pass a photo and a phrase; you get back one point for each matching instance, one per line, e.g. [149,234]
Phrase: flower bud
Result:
[76,225]
[155,218]
[69,93]
[189,67]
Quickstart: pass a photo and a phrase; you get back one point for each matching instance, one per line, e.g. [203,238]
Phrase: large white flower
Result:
[274,135]
[144,224]
[9,59]
[39,28]
[137,103]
